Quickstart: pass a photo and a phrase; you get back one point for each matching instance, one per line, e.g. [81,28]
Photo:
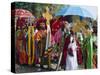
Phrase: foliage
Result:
[37,8]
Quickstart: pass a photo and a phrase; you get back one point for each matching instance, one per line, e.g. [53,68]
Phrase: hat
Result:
[41,20]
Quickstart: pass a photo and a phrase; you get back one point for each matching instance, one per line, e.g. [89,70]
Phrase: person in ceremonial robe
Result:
[94,49]
[56,32]
[24,43]
[40,41]
[52,31]
[72,54]
[19,45]
[89,52]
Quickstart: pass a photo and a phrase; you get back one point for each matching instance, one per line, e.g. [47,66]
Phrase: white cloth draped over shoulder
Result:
[71,61]
[48,39]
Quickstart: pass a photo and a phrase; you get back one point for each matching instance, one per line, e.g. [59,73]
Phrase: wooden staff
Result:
[59,62]
[33,48]
[29,45]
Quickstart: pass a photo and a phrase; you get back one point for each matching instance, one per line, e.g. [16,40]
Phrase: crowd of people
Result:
[69,45]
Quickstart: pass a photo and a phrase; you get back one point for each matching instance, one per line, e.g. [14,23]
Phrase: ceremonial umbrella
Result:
[75,10]
[22,16]
[21,13]
[61,11]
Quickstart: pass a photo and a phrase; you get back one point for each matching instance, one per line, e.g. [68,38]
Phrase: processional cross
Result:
[47,15]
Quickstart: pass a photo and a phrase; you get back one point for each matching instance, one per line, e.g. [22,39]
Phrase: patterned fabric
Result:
[40,43]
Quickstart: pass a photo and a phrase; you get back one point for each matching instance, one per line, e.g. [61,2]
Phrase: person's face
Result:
[42,25]
[65,24]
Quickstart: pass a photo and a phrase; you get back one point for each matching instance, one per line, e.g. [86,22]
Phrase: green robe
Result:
[89,46]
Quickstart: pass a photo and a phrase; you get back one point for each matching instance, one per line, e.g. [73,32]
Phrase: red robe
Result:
[65,50]
[79,52]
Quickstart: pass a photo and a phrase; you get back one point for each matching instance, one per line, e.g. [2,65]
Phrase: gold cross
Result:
[47,15]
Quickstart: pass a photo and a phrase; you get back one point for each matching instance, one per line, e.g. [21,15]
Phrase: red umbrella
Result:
[21,13]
